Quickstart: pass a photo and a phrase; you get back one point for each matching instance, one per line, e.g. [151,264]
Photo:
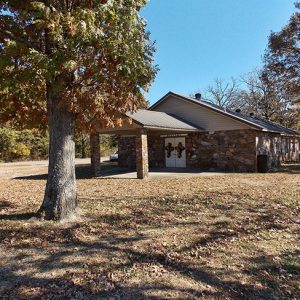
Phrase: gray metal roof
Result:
[257,122]
[267,124]
[155,119]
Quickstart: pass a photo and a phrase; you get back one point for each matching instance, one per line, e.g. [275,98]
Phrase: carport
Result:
[140,124]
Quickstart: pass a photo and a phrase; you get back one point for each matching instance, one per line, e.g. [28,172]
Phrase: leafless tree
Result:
[223,93]
[264,96]
[260,94]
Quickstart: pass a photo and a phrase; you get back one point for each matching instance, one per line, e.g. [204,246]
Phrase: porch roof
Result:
[160,120]
[152,121]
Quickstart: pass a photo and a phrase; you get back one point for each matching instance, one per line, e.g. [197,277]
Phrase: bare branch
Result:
[223,93]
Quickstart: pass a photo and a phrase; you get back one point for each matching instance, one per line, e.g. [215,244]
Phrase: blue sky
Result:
[200,40]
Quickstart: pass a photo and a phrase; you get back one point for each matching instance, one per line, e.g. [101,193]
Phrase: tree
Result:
[263,97]
[259,96]
[81,144]
[222,93]
[70,63]
[282,58]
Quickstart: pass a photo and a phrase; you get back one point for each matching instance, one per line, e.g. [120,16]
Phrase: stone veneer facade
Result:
[95,154]
[234,150]
[142,164]
[126,152]
[278,148]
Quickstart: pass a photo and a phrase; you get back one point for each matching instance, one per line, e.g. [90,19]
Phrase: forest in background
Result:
[32,144]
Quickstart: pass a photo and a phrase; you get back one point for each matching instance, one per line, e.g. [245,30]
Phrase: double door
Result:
[175,152]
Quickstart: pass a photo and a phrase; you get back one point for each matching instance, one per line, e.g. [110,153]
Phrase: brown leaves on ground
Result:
[229,237]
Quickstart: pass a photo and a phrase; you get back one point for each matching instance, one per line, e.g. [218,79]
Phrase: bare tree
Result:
[264,96]
[260,94]
[223,93]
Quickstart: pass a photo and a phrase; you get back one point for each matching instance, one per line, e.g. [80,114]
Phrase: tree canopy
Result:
[96,54]
[282,58]
[69,64]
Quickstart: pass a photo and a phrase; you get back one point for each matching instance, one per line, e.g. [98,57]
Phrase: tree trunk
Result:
[60,198]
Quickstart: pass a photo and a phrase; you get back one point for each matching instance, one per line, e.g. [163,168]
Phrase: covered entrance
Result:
[175,152]
[138,125]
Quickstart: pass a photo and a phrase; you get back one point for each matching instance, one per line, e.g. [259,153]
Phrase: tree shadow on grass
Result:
[288,168]
[17,217]
[114,239]
[84,172]
[97,281]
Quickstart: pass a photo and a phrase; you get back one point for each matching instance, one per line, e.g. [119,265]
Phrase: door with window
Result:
[175,152]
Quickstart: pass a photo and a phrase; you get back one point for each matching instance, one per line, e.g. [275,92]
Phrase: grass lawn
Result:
[227,237]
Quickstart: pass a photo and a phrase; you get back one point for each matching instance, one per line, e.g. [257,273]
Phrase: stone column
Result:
[142,167]
[95,153]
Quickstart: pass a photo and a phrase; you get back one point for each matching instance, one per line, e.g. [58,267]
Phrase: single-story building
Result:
[185,132]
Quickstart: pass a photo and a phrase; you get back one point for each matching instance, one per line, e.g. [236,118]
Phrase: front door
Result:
[175,152]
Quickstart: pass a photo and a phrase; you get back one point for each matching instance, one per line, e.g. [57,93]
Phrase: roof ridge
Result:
[257,123]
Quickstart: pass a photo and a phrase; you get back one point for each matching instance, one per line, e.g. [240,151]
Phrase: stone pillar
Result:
[95,153]
[142,167]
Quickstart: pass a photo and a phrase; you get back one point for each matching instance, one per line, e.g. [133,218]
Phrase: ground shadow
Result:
[118,252]
[17,217]
[114,247]
[5,204]
[288,168]
[83,172]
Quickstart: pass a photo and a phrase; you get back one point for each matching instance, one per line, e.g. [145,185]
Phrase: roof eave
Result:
[172,128]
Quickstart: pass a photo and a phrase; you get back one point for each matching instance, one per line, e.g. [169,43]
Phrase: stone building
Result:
[184,132]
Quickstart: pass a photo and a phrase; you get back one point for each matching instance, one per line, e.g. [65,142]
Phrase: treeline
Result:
[253,93]
[16,145]
[22,144]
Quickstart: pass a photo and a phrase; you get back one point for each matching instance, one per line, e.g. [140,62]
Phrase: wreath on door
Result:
[169,149]
[180,148]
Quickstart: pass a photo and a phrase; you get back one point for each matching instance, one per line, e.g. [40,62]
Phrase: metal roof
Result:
[269,125]
[254,121]
[155,119]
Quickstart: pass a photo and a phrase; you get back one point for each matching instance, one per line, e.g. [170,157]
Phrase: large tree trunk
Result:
[60,198]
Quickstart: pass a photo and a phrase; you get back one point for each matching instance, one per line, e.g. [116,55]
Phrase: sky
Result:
[198,41]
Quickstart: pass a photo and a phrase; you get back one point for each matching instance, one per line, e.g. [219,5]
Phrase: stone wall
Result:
[234,150]
[95,153]
[290,148]
[126,152]
[278,148]
[222,151]
[142,164]
[269,144]
[156,151]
